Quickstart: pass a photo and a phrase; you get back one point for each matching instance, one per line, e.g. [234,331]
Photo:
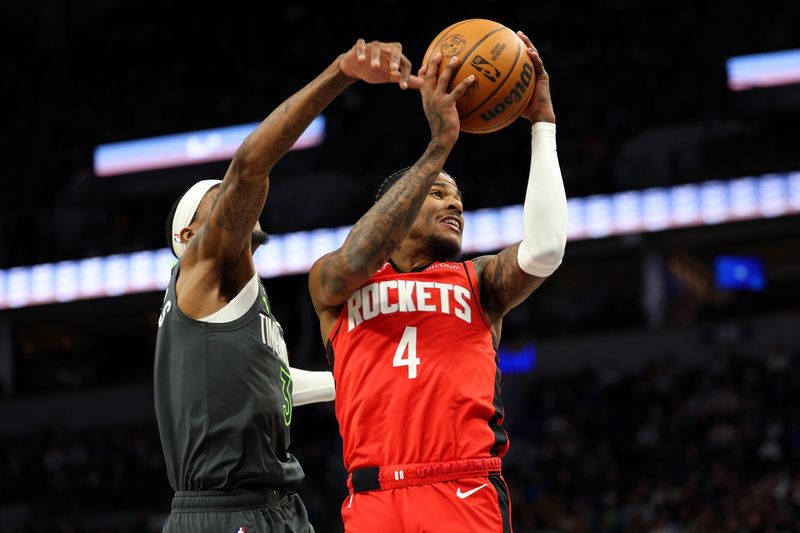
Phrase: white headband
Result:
[184,213]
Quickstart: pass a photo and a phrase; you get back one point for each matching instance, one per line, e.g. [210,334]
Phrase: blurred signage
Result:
[763,70]
[739,273]
[183,149]
[485,230]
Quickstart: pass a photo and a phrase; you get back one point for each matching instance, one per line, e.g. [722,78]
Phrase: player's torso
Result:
[416,370]
[223,399]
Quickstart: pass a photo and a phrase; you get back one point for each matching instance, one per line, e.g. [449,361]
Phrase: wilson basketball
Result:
[504,76]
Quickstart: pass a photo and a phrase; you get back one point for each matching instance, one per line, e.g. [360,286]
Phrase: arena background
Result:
[641,394]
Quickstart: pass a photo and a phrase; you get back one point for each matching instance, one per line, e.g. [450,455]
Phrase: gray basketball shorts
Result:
[239,511]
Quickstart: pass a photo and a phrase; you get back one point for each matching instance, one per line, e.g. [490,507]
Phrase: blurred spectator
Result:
[100,75]
[667,449]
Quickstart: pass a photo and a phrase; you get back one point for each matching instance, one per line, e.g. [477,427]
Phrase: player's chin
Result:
[445,246]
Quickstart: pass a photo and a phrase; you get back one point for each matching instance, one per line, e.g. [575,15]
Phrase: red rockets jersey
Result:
[416,370]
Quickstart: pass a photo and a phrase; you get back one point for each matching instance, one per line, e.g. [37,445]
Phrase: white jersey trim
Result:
[237,307]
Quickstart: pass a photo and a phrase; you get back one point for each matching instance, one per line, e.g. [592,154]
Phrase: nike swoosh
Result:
[469,493]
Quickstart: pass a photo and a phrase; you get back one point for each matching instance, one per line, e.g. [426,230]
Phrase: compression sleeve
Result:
[545,210]
[311,387]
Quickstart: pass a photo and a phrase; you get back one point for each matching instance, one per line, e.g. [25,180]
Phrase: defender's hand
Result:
[378,62]
[540,108]
[440,107]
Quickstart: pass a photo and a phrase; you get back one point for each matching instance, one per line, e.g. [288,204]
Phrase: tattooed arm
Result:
[503,284]
[241,196]
[508,278]
[376,235]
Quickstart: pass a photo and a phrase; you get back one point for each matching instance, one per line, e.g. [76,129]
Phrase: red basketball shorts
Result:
[400,500]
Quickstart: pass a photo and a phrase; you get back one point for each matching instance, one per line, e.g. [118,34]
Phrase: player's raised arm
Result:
[376,235]
[509,277]
[241,197]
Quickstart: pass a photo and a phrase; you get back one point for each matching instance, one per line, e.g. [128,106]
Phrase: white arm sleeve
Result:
[311,387]
[545,211]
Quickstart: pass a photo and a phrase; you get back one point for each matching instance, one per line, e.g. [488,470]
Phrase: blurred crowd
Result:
[666,449]
[640,94]
[98,480]
[704,449]
[641,98]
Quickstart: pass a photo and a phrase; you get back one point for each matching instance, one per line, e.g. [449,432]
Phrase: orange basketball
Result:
[503,72]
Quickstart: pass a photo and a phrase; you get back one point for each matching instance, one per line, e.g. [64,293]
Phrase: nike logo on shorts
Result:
[470,492]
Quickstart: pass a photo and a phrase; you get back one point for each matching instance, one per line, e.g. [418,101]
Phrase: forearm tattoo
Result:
[378,233]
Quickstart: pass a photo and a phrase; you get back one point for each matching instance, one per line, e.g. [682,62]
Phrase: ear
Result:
[186,234]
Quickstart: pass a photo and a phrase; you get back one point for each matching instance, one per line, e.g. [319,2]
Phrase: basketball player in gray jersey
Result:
[224,391]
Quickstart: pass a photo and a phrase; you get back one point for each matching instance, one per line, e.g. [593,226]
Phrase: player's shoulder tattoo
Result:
[480,263]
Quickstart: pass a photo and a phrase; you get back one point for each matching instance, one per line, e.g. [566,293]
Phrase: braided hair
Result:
[388,182]
[391,180]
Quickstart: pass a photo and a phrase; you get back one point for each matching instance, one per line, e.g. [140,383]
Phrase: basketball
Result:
[504,76]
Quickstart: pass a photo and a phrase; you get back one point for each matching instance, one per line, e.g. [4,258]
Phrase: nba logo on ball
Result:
[241,530]
[484,67]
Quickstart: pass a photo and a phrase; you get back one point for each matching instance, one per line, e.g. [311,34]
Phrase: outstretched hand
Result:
[378,62]
[540,107]
[439,105]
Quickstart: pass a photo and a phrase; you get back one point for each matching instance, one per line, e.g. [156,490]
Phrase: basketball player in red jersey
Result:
[412,335]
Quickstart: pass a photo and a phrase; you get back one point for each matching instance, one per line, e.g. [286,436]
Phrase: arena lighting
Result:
[183,149]
[592,217]
[739,273]
[764,70]
[520,361]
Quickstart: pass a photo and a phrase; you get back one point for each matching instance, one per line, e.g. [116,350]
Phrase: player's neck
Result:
[407,259]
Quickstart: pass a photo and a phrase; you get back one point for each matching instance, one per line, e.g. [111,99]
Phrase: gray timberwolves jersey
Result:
[223,399]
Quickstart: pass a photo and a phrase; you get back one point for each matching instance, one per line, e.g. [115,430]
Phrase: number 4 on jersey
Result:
[407,344]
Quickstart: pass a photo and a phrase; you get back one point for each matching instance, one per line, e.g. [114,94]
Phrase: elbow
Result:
[549,260]
[242,157]
[555,252]
[359,269]
[247,166]
[542,259]
[552,259]
[359,258]
[339,277]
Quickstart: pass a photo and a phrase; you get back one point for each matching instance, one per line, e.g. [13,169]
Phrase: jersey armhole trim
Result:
[336,327]
[478,301]
[329,352]
[231,325]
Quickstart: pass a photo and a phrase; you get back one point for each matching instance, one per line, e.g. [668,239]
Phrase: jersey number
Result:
[406,353]
[286,389]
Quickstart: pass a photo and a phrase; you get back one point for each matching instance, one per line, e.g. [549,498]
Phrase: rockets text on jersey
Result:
[416,370]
